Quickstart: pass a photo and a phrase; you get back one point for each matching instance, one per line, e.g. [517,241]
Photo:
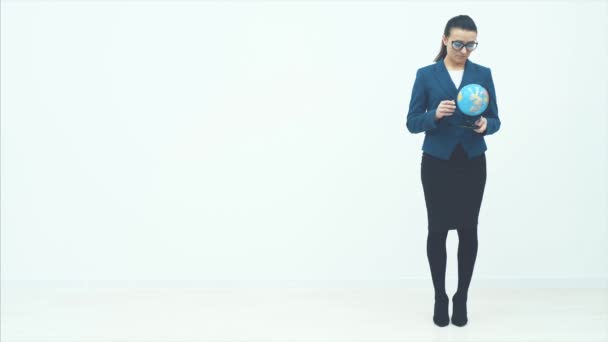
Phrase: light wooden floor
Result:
[298,315]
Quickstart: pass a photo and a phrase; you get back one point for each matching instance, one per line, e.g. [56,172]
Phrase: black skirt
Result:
[453,189]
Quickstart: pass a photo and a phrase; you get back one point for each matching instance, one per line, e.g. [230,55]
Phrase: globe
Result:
[473,99]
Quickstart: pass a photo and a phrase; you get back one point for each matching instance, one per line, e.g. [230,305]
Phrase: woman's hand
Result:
[445,108]
[482,123]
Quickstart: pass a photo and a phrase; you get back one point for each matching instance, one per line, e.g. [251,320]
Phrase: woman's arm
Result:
[418,119]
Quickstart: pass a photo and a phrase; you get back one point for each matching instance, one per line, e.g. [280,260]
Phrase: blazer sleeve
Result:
[418,119]
[491,114]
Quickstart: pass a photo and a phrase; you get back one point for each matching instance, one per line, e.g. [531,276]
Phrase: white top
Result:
[456,76]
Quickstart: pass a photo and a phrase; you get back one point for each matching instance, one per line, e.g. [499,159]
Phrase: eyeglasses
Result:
[458,44]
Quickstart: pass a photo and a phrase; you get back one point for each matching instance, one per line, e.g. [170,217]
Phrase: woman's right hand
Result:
[445,108]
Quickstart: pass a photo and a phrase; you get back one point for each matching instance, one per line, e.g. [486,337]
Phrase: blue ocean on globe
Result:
[473,99]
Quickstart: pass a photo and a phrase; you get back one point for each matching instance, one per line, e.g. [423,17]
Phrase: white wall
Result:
[263,144]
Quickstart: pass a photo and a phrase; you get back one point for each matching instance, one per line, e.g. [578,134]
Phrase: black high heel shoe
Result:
[441,315]
[459,310]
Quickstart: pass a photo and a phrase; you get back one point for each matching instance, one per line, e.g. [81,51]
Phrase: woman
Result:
[453,166]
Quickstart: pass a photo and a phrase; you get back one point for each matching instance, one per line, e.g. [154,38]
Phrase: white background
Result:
[264,143]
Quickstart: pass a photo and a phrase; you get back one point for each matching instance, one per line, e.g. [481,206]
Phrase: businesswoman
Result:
[453,165]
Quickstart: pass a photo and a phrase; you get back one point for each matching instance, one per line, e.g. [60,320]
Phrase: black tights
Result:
[437,255]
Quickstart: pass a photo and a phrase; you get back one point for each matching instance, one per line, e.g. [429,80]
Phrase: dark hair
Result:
[461,21]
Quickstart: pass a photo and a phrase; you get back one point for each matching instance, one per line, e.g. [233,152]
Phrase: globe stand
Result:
[464,126]
[471,126]
[467,123]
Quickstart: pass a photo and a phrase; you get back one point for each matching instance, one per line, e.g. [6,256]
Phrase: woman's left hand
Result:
[482,123]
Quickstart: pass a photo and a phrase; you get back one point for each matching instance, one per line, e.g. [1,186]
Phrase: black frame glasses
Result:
[458,44]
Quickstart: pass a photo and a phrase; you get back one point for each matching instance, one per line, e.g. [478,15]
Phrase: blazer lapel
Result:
[445,81]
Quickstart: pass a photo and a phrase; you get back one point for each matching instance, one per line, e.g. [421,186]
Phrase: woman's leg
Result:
[467,253]
[475,180]
[437,256]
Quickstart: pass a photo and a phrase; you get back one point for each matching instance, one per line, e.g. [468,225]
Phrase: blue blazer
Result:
[433,84]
